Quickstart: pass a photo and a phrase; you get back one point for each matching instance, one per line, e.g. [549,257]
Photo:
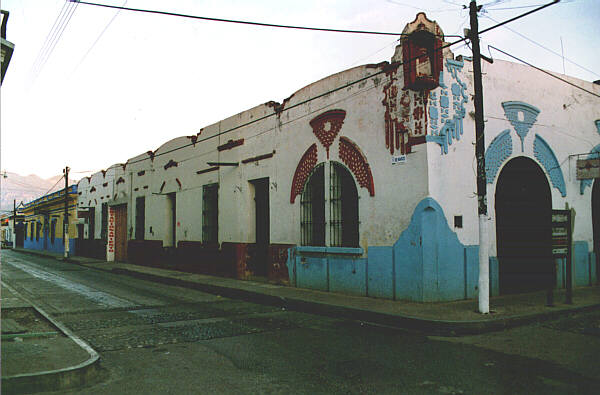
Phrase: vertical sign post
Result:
[110,245]
[561,246]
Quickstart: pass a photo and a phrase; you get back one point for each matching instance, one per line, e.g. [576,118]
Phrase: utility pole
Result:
[66,215]
[14,231]
[484,264]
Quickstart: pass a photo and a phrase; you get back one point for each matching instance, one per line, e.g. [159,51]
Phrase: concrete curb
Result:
[405,322]
[54,380]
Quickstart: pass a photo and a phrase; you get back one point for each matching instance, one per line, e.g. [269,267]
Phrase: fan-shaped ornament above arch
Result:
[305,166]
[352,156]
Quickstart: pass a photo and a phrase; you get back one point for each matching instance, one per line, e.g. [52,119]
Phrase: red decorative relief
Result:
[327,126]
[395,127]
[303,170]
[351,155]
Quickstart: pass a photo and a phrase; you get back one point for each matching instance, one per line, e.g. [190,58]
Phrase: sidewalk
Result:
[442,318]
[39,353]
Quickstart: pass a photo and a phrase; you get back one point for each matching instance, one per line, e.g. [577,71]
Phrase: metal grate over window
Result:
[210,214]
[312,206]
[343,207]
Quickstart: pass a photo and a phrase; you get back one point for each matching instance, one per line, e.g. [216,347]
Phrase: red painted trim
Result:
[170,164]
[335,120]
[230,144]
[208,170]
[259,157]
[352,156]
[303,170]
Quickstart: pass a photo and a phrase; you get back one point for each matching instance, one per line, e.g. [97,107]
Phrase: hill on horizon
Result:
[26,188]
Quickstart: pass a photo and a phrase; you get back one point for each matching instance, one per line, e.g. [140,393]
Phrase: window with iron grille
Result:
[312,206]
[140,217]
[343,207]
[38,230]
[210,214]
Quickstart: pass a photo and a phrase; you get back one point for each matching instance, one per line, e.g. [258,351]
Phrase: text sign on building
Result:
[561,232]
[110,245]
[398,160]
[588,168]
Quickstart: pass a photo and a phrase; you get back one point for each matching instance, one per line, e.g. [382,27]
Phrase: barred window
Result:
[312,205]
[343,208]
[210,214]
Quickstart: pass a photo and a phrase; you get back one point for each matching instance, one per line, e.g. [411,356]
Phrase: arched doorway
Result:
[523,227]
[596,223]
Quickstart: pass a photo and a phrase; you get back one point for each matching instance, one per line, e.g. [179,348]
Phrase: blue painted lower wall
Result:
[58,246]
[428,263]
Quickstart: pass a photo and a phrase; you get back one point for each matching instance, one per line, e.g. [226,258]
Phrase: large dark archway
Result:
[523,227]
[596,223]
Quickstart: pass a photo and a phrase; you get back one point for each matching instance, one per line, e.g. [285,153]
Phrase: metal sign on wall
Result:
[561,232]
[588,168]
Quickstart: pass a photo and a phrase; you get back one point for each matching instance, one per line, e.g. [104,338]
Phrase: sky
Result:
[118,84]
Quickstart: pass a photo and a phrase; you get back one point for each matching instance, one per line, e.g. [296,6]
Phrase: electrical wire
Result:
[545,72]
[51,188]
[60,30]
[544,47]
[49,37]
[98,38]
[235,21]
[384,70]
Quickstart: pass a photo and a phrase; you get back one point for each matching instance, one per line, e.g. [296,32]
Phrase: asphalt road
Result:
[155,338]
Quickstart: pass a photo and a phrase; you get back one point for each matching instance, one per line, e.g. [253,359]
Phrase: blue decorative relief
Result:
[499,150]
[546,157]
[513,110]
[594,154]
[444,129]
[598,125]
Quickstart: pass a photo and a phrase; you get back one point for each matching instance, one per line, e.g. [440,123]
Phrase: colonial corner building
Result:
[364,183]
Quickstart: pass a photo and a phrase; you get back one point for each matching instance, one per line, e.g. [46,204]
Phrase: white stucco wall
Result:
[565,122]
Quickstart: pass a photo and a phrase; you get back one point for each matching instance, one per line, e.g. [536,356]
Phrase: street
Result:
[155,338]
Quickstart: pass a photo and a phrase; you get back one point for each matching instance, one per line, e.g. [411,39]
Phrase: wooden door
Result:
[121,233]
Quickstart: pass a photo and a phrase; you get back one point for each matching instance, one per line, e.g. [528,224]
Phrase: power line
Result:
[55,38]
[49,37]
[235,21]
[384,70]
[544,71]
[544,47]
[98,38]
[54,185]
[519,16]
